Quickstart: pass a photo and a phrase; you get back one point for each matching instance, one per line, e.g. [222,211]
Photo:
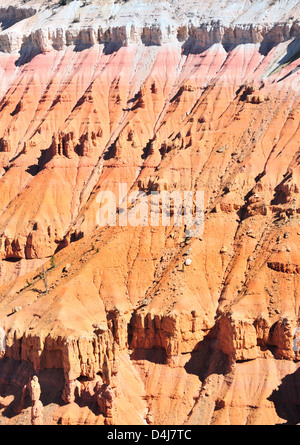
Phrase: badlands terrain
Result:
[137,325]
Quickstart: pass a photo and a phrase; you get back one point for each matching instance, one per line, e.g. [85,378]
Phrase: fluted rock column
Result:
[37,406]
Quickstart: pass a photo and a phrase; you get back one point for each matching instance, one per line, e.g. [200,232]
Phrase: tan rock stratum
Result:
[135,325]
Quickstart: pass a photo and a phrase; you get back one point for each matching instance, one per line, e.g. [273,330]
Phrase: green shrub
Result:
[53,262]
[64,2]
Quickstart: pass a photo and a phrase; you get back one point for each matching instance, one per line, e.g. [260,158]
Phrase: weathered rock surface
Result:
[37,406]
[143,324]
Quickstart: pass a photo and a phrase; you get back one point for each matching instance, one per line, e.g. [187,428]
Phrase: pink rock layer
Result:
[129,331]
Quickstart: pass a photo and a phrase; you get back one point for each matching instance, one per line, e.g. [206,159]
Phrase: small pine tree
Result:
[53,262]
[64,2]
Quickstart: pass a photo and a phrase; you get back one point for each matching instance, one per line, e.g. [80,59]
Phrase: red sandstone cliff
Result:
[159,96]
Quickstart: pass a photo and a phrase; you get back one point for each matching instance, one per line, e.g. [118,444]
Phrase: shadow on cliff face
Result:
[26,55]
[110,48]
[286,398]
[265,47]
[10,15]
[194,46]
[14,375]
[199,361]
[34,169]
[15,397]
[155,355]
[207,359]
[191,46]
[12,401]
[292,54]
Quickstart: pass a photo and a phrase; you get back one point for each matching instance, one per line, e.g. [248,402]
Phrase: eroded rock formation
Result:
[143,324]
[37,406]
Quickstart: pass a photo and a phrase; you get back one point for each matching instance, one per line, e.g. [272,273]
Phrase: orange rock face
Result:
[143,324]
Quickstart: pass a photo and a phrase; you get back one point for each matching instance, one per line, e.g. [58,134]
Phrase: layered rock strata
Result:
[142,324]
